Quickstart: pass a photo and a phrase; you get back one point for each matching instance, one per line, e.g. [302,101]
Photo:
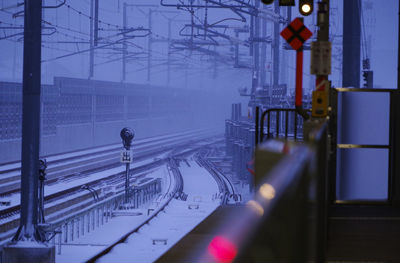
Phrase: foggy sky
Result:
[381,29]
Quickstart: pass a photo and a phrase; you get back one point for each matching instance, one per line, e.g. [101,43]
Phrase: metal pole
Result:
[322,195]
[236,49]
[257,126]
[215,72]
[169,55]
[396,128]
[256,50]
[263,52]
[124,46]
[94,31]
[42,178]
[351,43]
[127,136]
[28,229]
[251,34]
[96,22]
[289,14]
[299,77]
[91,55]
[127,183]
[276,49]
[149,48]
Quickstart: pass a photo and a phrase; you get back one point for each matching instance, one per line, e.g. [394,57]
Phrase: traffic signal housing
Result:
[267,2]
[281,2]
[286,3]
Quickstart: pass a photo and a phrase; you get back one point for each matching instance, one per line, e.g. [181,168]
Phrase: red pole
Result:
[299,77]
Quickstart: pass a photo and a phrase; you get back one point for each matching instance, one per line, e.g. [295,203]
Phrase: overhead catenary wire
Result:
[65,33]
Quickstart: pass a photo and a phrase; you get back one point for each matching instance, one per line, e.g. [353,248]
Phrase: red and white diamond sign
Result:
[296,33]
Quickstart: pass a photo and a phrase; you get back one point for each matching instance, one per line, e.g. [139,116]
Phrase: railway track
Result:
[74,195]
[81,163]
[95,152]
[224,187]
[174,189]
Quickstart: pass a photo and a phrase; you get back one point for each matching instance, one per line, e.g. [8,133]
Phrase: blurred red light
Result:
[222,249]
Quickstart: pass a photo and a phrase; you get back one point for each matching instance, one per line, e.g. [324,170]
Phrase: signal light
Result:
[222,249]
[306,7]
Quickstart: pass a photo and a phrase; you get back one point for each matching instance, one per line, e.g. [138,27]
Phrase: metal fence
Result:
[11,110]
[280,122]
[76,225]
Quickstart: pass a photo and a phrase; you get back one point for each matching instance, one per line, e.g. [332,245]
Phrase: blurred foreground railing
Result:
[75,225]
[286,219]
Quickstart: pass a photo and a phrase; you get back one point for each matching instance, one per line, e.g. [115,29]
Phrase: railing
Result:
[174,191]
[281,115]
[286,219]
[67,229]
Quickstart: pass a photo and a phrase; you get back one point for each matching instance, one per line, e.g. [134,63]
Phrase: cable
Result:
[91,18]
[83,36]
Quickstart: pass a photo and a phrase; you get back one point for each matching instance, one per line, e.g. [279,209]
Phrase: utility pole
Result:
[351,43]
[321,67]
[28,244]
[236,49]
[263,51]
[96,22]
[251,34]
[91,54]
[94,31]
[124,46]
[255,51]
[215,64]
[149,47]
[275,50]
[351,78]
[169,55]
[256,48]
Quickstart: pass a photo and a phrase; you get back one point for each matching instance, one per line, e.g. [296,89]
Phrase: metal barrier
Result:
[259,125]
[285,220]
[69,228]
[172,193]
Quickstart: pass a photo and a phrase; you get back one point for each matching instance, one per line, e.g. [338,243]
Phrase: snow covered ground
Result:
[155,238]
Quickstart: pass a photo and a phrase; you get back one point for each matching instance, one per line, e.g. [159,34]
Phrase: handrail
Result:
[240,226]
[290,189]
[110,200]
